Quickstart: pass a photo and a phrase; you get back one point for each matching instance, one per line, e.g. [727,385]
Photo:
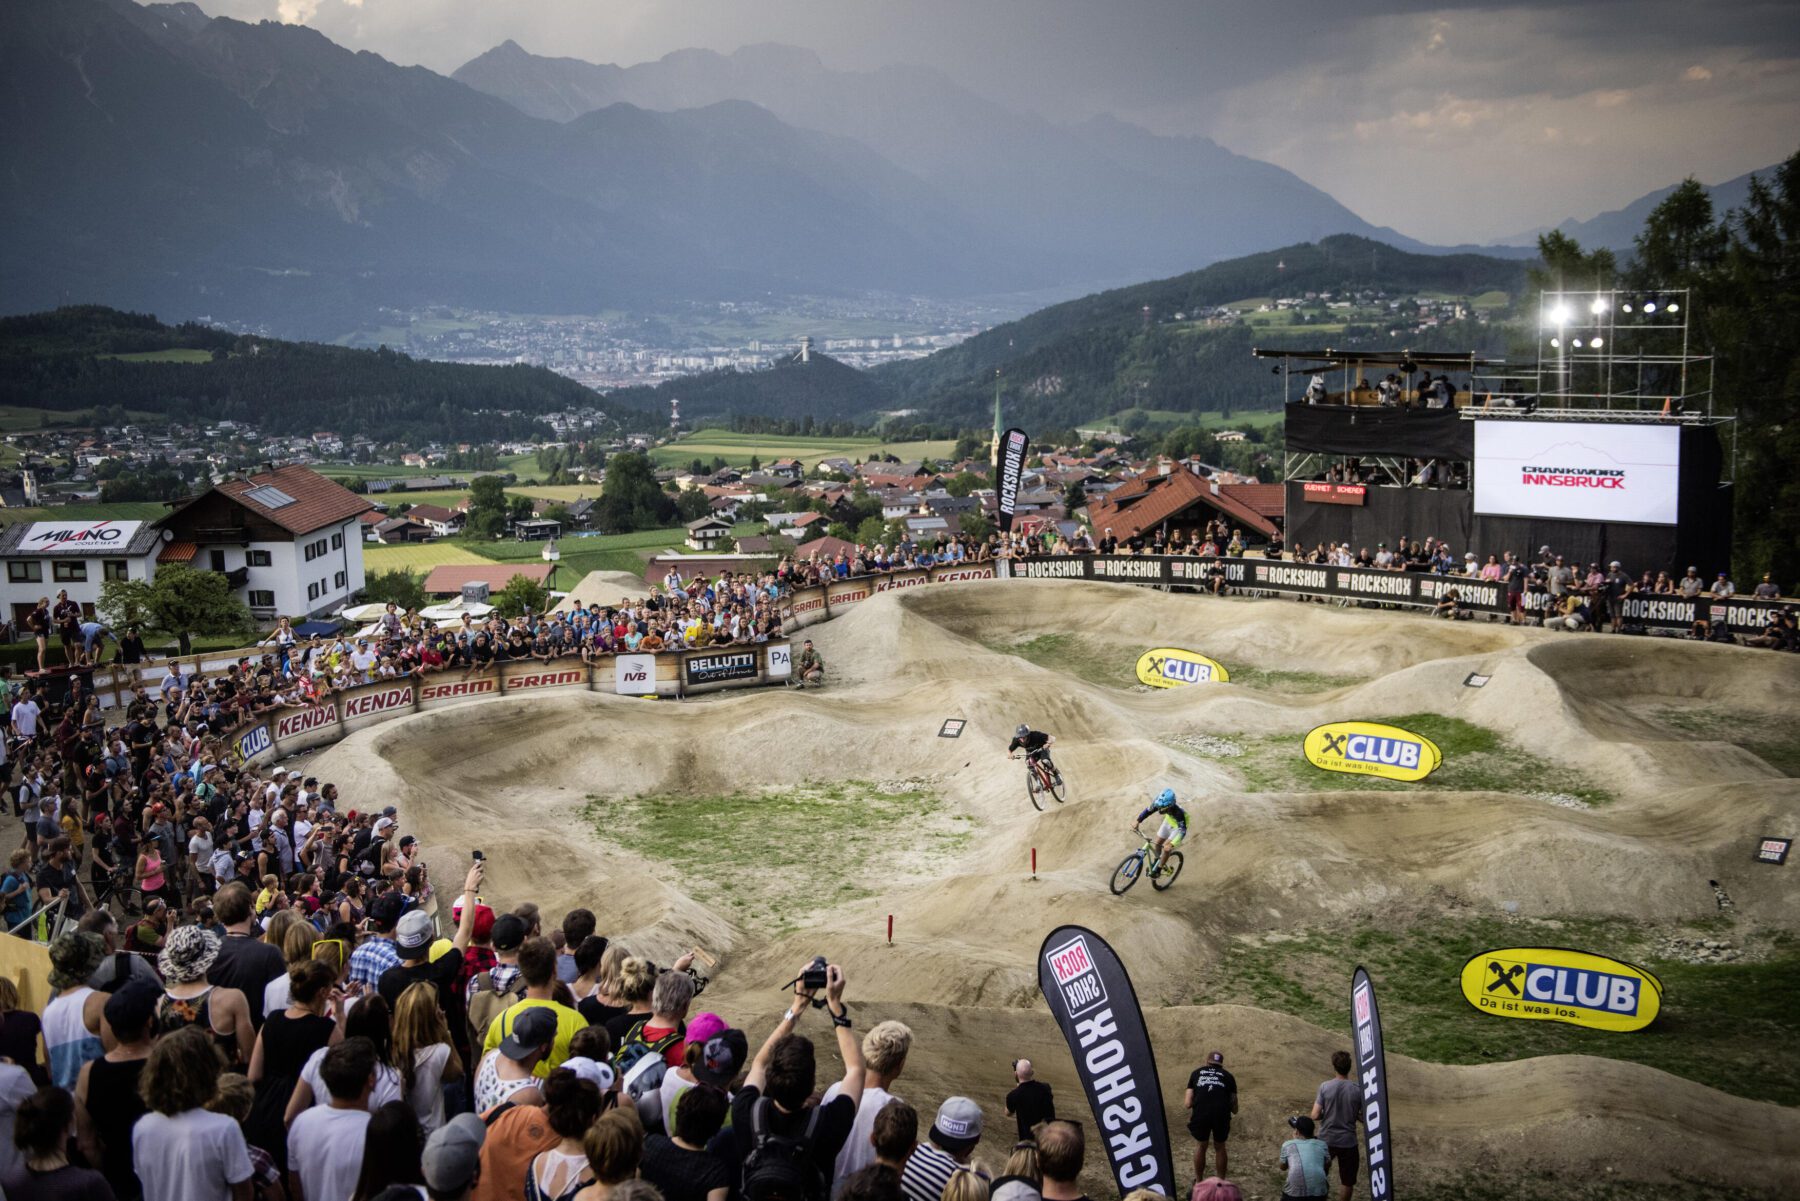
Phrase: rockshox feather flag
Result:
[1092,1000]
[1012,466]
[1371,1069]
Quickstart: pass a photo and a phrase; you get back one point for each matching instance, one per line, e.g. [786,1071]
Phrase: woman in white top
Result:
[371,1020]
[423,1053]
[571,1105]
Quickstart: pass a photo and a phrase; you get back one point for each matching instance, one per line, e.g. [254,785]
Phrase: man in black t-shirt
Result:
[1211,1100]
[1109,545]
[413,936]
[245,961]
[781,1079]
[1036,745]
[1031,1102]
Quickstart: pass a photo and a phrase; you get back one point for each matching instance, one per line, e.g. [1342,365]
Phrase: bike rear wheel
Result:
[1127,873]
[1171,867]
[1058,789]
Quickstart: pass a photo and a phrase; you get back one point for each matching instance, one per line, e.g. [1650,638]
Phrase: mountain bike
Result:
[1041,777]
[1143,861]
[120,888]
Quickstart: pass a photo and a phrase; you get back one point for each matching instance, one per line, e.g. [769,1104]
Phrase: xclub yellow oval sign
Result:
[1366,748]
[1551,984]
[1169,667]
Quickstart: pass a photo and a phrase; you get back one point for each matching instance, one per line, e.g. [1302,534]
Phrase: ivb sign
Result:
[1558,985]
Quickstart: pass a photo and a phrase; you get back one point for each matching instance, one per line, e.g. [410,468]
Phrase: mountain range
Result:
[1616,229]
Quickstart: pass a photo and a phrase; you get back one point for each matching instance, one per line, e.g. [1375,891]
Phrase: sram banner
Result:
[1574,471]
[1552,984]
[1092,1000]
[1366,748]
[1171,667]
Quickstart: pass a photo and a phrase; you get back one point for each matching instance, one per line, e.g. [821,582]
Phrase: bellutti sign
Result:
[1171,667]
[1553,984]
[78,537]
[711,669]
[1366,748]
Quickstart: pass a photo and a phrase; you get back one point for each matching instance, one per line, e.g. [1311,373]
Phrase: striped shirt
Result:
[928,1170]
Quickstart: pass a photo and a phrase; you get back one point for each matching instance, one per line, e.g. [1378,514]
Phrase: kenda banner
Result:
[1366,748]
[1092,1000]
[1171,667]
[1552,984]
[1013,445]
[1576,471]
[1371,1067]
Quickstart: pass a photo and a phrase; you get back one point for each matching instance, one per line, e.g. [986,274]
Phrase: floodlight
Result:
[1599,306]
[1649,306]
[1626,306]
[1556,343]
[1560,315]
[1673,308]
[1596,344]
[1578,344]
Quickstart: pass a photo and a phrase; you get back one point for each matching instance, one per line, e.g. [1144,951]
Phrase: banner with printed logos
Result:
[1371,1074]
[1091,998]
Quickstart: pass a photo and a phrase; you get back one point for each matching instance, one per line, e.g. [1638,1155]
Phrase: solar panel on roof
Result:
[269,496]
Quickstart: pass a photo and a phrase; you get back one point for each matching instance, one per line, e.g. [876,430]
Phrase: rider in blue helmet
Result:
[1173,829]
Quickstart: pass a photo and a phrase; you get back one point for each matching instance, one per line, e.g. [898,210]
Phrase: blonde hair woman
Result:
[289,932]
[968,1182]
[423,1053]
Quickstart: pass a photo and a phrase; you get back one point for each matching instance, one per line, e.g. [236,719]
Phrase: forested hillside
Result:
[90,356]
[1143,346]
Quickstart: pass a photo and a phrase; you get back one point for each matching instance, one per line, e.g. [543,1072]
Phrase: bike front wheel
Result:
[1034,789]
[1127,873]
[1171,867]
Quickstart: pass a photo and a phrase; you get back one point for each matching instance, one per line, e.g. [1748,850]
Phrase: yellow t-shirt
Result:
[568,1023]
[264,899]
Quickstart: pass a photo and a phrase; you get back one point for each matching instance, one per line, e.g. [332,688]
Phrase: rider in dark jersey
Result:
[1174,825]
[1036,745]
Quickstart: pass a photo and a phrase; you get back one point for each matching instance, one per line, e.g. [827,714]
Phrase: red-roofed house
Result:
[1181,500]
[289,541]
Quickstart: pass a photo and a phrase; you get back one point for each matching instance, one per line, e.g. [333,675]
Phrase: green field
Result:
[178,354]
[19,419]
[1166,419]
[737,449]
[377,471]
[144,510]
[420,557]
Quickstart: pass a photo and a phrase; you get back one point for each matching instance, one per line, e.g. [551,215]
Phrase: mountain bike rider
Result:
[1173,829]
[1036,745]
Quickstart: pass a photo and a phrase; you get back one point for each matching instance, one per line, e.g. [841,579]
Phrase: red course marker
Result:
[890,929]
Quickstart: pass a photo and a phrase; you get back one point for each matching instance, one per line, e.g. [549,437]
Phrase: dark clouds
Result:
[1448,121]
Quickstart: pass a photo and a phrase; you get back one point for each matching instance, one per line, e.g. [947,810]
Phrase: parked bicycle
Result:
[1144,861]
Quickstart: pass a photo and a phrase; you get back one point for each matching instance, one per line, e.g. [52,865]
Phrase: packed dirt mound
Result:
[520,779]
[605,587]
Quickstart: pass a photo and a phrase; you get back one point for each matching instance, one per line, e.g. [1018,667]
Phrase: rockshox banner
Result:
[1012,467]
[1551,984]
[1371,1069]
[1742,615]
[1171,667]
[1092,1000]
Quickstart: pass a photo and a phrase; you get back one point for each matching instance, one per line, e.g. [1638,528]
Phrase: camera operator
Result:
[778,1085]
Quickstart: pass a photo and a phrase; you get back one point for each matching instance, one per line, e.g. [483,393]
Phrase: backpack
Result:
[488,1003]
[781,1167]
[632,1047]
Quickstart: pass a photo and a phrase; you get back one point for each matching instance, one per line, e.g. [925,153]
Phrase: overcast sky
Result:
[1448,121]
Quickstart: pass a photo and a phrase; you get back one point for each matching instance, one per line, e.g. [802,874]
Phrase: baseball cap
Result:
[414,931]
[132,1006]
[385,910]
[721,1058]
[509,931]
[1216,1057]
[530,1030]
[383,823]
[484,920]
[390,811]
[453,1154]
[958,1121]
[1303,1124]
[600,1074]
[705,1027]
